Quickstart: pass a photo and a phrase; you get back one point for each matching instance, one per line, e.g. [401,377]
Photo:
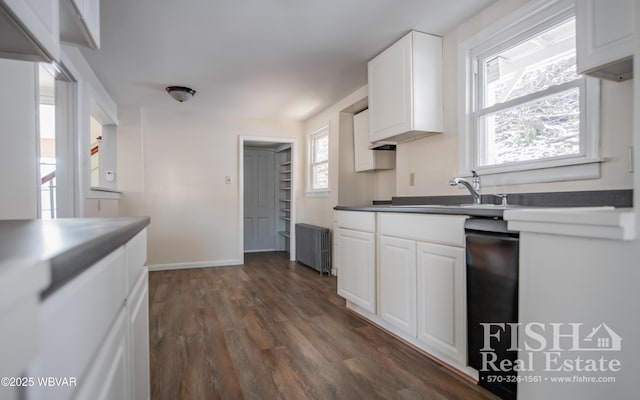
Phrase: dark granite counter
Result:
[491,207]
[71,245]
[483,210]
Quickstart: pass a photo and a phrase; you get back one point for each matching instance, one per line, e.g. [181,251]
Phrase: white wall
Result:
[130,165]
[18,146]
[434,160]
[172,167]
[347,187]
[92,99]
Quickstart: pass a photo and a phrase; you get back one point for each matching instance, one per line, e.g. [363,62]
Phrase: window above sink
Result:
[524,112]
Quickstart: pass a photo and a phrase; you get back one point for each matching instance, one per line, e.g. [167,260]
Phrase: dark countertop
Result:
[490,207]
[71,245]
[484,210]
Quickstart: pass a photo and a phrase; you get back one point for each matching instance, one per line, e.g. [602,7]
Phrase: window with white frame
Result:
[318,160]
[524,107]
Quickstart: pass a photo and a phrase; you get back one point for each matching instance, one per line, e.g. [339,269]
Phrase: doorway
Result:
[259,199]
[266,187]
[56,150]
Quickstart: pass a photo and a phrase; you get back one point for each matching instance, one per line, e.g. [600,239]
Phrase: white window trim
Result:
[311,137]
[583,166]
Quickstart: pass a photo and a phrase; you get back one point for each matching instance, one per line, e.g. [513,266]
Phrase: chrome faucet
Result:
[474,187]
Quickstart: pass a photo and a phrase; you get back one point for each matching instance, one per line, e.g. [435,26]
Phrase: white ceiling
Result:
[282,59]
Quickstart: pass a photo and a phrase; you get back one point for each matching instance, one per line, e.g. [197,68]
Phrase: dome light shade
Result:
[180,93]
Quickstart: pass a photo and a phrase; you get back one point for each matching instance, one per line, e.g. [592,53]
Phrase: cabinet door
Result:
[363,157]
[91,16]
[357,268]
[107,378]
[390,91]
[604,35]
[442,299]
[138,338]
[398,283]
[366,159]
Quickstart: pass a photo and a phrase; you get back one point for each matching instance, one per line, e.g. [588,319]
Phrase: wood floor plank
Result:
[275,329]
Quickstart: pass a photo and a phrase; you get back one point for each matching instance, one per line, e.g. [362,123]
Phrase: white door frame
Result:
[274,140]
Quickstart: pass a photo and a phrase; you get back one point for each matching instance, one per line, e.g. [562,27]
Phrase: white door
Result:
[398,283]
[259,199]
[442,299]
[357,268]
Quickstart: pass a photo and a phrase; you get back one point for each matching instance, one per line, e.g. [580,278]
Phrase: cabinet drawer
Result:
[74,323]
[136,250]
[444,229]
[106,379]
[356,220]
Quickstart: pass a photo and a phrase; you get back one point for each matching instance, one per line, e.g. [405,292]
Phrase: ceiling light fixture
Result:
[180,93]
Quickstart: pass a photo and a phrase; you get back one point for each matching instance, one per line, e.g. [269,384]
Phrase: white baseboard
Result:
[259,251]
[199,264]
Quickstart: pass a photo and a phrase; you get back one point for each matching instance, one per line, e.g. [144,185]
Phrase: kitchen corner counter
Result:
[68,245]
[589,222]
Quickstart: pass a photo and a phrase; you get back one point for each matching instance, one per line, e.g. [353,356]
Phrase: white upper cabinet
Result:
[29,30]
[405,89]
[80,22]
[604,35]
[366,159]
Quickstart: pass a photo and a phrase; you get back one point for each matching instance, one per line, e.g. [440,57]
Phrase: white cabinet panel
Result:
[444,229]
[136,250]
[405,89]
[604,38]
[398,283]
[441,299]
[366,159]
[107,377]
[30,30]
[356,220]
[80,22]
[138,338]
[74,322]
[357,268]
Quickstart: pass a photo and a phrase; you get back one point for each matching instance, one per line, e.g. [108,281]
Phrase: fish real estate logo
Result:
[561,347]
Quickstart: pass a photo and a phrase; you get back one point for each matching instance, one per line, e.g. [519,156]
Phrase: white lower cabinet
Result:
[95,332]
[407,273]
[355,257]
[357,267]
[398,283]
[422,282]
[442,299]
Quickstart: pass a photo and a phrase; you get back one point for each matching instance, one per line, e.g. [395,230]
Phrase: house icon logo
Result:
[602,338]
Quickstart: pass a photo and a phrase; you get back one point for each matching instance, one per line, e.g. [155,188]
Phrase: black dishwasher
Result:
[492,302]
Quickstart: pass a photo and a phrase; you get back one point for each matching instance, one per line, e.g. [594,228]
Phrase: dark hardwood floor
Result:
[272,329]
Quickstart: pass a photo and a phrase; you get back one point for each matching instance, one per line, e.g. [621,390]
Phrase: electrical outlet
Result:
[412,179]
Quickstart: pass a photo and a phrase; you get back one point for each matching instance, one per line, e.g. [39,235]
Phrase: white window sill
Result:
[103,193]
[324,193]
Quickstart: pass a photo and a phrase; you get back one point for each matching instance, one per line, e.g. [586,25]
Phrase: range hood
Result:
[390,143]
[382,146]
